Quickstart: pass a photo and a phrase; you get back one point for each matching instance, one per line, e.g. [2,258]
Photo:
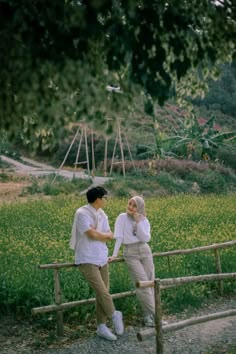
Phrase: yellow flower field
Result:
[38,232]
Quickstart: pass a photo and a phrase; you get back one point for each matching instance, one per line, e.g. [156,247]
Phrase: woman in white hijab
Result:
[132,229]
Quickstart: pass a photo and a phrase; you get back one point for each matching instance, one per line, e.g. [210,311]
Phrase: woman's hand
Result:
[111,259]
[138,217]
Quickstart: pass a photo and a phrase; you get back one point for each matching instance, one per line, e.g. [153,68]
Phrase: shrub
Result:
[172,184]
[227,156]
[209,182]
[7,148]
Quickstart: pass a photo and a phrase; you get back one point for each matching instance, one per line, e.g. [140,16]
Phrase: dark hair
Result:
[94,193]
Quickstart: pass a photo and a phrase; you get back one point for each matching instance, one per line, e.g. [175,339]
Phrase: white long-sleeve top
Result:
[128,231]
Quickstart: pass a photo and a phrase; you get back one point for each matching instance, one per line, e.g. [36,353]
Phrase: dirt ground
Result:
[13,191]
[19,336]
[10,191]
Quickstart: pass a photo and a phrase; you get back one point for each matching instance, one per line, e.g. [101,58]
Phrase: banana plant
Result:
[196,141]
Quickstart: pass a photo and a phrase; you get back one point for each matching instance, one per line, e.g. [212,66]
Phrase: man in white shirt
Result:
[90,233]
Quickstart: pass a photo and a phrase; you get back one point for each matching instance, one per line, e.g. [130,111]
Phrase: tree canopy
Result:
[57,57]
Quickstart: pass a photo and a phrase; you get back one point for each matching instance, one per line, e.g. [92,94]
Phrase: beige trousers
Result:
[98,279]
[139,260]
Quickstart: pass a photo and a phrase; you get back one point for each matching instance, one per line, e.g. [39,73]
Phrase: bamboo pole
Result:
[93,156]
[78,152]
[162,254]
[105,158]
[168,261]
[130,154]
[158,317]
[145,284]
[62,164]
[121,149]
[146,333]
[142,335]
[170,282]
[196,249]
[57,290]
[68,265]
[113,155]
[86,149]
[201,319]
[69,305]
[219,270]
[197,278]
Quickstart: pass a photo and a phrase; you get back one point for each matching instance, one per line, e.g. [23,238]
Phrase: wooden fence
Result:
[160,284]
[59,307]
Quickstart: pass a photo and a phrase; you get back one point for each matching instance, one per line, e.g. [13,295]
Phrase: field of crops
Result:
[38,232]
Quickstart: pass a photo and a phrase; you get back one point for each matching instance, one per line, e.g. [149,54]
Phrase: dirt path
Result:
[33,168]
[214,337]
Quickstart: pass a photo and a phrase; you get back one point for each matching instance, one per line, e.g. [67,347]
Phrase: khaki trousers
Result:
[98,279]
[139,260]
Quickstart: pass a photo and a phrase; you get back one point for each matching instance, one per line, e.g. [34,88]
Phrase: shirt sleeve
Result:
[83,223]
[119,228]
[117,247]
[143,230]
[106,226]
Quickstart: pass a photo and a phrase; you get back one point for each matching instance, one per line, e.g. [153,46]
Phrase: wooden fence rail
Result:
[159,284]
[59,306]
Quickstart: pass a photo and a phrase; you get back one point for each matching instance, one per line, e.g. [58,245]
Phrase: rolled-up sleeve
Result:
[83,223]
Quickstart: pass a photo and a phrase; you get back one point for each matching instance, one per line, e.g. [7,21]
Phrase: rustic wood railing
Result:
[59,306]
[160,284]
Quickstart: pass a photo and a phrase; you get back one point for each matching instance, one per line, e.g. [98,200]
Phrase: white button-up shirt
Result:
[88,250]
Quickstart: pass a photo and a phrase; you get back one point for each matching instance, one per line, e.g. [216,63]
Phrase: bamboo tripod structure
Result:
[121,144]
[83,129]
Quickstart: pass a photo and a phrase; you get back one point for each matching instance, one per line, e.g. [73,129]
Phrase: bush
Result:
[60,186]
[6,148]
[173,184]
[65,187]
[209,182]
[227,156]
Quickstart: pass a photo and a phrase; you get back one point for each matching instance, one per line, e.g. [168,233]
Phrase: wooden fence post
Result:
[57,290]
[169,267]
[158,317]
[219,270]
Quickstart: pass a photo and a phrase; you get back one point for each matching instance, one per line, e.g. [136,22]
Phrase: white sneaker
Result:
[104,332]
[117,320]
[149,321]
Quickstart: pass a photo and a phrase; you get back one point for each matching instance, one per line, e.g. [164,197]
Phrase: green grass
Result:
[38,232]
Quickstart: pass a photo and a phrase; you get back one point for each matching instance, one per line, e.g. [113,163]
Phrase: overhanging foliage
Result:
[57,57]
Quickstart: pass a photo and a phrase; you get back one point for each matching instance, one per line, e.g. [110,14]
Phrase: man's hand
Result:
[99,236]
